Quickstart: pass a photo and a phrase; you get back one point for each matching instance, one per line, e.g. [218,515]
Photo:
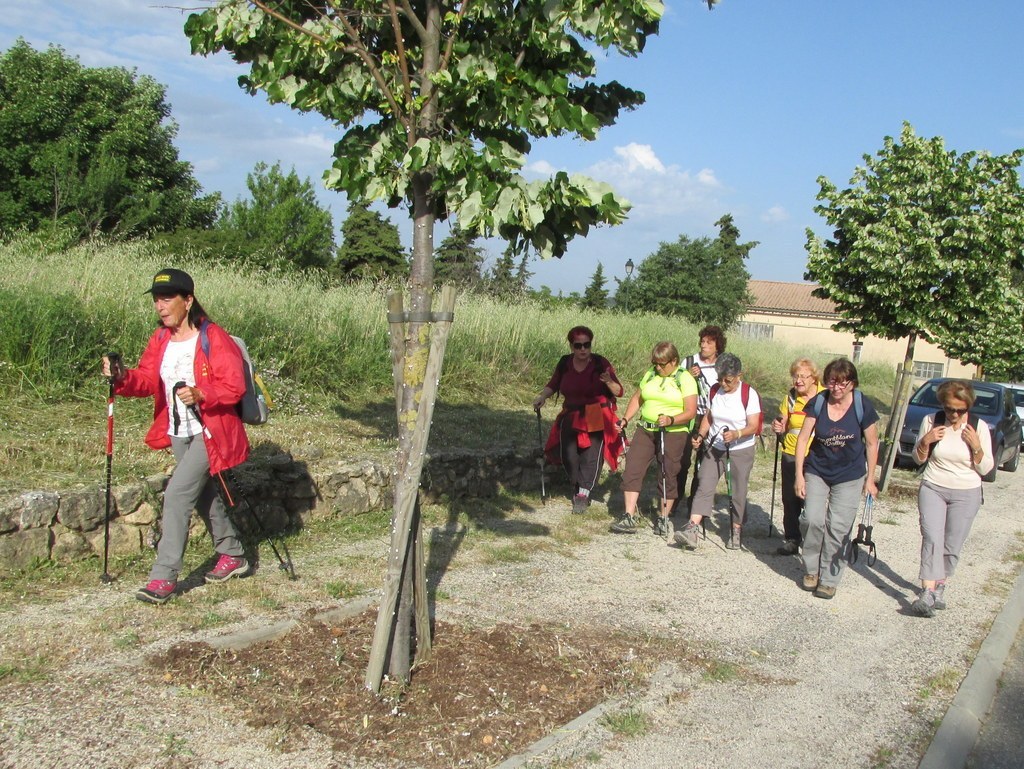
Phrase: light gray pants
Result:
[830,511]
[712,468]
[191,488]
[946,518]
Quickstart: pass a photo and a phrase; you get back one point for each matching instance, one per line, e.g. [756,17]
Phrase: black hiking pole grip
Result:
[116,368]
[540,440]
[284,563]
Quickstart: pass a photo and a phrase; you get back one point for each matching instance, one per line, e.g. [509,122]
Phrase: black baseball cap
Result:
[171,281]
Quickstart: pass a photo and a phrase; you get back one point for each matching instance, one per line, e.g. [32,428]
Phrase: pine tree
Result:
[595,297]
[370,248]
[458,260]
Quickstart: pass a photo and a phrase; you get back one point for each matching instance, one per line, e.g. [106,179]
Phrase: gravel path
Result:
[852,682]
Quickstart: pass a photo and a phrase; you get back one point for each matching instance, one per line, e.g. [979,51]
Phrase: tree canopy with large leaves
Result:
[927,243]
[90,149]
[441,99]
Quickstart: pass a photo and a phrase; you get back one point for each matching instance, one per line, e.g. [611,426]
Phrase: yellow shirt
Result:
[792,411]
[666,395]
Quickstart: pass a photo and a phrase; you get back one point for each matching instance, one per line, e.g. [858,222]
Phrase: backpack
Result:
[858,407]
[940,419]
[600,366]
[254,408]
[744,397]
[652,372]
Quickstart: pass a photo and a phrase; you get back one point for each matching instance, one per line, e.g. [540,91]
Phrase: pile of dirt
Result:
[484,694]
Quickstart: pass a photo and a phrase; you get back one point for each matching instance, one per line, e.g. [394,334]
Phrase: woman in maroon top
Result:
[584,431]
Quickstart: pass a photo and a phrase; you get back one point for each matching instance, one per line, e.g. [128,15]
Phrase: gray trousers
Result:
[830,511]
[712,468]
[191,488]
[946,518]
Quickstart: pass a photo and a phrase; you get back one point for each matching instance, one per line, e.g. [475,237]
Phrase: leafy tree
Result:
[282,223]
[595,297]
[441,99]
[503,280]
[459,259]
[702,280]
[90,149]
[371,248]
[927,243]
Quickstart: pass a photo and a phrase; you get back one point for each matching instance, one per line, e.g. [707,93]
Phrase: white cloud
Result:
[775,214]
[660,192]
[541,168]
[640,156]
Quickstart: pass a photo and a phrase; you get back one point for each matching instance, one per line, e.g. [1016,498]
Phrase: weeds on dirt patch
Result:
[626,723]
[26,670]
[483,695]
[344,589]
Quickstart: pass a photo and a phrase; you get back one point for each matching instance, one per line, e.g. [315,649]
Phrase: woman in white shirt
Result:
[729,429]
[957,456]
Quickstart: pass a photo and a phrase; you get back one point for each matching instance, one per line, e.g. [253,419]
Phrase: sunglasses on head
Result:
[581,345]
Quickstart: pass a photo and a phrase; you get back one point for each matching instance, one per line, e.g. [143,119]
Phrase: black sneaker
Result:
[579,504]
[789,547]
[627,524]
[661,527]
[734,539]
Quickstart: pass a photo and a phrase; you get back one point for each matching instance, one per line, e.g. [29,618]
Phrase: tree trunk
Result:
[897,413]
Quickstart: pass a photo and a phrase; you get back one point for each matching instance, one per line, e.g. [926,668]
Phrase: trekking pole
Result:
[284,565]
[775,476]
[114,361]
[540,440]
[664,474]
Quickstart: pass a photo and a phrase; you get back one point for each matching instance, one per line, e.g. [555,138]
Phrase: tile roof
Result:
[777,298]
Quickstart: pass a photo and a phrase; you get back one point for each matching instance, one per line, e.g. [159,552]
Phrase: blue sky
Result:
[746,106]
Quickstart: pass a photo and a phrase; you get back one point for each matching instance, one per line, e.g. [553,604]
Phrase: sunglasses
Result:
[581,345]
[951,410]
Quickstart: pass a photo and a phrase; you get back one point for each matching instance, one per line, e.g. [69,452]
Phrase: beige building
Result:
[790,313]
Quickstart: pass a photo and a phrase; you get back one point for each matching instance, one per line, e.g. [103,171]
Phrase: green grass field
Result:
[323,353]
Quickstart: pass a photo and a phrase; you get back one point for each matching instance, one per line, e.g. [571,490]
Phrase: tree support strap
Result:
[421,317]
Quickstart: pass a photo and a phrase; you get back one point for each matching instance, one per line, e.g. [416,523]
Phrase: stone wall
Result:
[284,490]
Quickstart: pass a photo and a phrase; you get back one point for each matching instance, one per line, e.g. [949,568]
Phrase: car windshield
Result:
[986,401]
[1018,397]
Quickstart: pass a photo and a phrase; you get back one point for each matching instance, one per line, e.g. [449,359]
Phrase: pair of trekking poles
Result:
[225,478]
[864,528]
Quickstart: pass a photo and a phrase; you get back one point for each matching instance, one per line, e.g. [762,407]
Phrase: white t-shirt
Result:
[727,413]
[178,365]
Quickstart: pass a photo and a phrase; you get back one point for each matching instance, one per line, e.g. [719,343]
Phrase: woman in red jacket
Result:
[188,362]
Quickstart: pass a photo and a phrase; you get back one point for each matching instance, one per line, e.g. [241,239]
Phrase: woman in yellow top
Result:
[667,401]
[806,384]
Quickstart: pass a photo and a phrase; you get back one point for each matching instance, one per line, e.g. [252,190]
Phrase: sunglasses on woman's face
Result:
[581,345]
[951,410]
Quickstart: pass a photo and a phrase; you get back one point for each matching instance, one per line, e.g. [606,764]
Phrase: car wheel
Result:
[1011,464]
[991,476]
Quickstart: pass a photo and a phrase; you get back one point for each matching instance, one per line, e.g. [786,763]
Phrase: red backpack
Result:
[744,396]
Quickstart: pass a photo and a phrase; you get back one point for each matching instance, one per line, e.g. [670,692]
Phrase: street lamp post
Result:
[629,271]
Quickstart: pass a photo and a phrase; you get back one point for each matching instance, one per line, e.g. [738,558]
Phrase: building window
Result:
[758,331]
[925,370]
